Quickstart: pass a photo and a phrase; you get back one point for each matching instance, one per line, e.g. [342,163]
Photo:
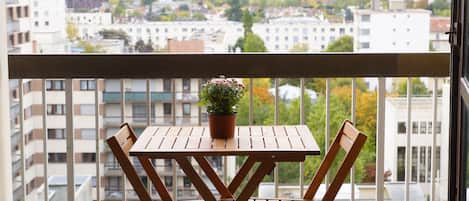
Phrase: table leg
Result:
[212,175]
[199,184]
[155,178]
[256,179]
[242,173]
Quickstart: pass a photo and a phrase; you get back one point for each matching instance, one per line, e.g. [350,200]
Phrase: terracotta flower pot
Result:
[222,126]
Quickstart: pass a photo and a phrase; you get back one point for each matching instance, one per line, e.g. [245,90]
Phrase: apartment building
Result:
[279,35]
[48,26]
[18,26]
[282,34]
[421,139]
[438,37]
[392,31]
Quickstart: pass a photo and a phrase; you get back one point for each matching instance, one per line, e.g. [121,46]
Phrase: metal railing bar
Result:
[328,120]
[434,119]
[98,140]
[70,140]
[302,122]
[353,118]
[234,65]
[408,140]
[251,101]
[380,123]
[276,122]
[173,115]
[149,112]
[123,115]
[199,108]
[45,150]
[22,140]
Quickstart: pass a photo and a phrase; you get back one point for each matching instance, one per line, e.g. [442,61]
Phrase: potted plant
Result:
[221,97]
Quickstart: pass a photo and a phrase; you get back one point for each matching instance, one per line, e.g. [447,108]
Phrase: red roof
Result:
[439,24]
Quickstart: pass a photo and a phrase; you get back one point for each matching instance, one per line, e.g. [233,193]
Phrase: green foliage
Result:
[300,47]
[221,96]
[440,8]
[119,10]
[199,17]
[141,46]
[253,43]
[247,22]
[234,13]
[90,48]
[418,87]
[342,44]
[72,31]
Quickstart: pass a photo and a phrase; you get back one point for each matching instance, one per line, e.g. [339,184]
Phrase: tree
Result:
[234,13]
[440,8]
[119,10]
[140,46]
[149,3]
[72,31]
[253,43]
[342,44]
[418,87]
[199,17]
[247,22]
[90,48]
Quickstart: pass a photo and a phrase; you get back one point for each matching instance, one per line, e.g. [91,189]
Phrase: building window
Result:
[56,109]
[365,45]
[46,23]
[87,109]
[415,127]
[429,164]
[186,109]
[167,108]
[430,128]
[88,157]
[28,112]
[56,134]
[401,127]
[187,182]
[365,18]
[400,163]
[167,85]
[55,85]
[139,112]
[422,164]
[423,127]
[365,32]
[168,180]
[57,157]
[342,31]
[88,134]
[87,85]
[186,85]
[414,164]
[438,127]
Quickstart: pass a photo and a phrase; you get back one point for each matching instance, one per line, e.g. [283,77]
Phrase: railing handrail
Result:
[148,66]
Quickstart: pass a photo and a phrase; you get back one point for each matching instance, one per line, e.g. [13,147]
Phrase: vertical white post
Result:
[408,146]
[434,119]
[123,113]
[276,120]
[44,141]
[70,140]
[302,122]
[5,136]
[354,120]
[149,112]
[173,113]
[327,130]
[380,139]
[98,140]
[22,140]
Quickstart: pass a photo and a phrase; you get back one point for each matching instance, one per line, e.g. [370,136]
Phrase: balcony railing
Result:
[298,66]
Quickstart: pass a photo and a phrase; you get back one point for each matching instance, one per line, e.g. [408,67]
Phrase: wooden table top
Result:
[249,140]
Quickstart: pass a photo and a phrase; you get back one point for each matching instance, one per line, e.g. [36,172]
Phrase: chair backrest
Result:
[120,144]
[352,141]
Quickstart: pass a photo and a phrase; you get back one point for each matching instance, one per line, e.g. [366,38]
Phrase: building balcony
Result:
[140,97]
[349,86]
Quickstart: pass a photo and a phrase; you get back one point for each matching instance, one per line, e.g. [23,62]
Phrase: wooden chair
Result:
[120,144]
[349,139]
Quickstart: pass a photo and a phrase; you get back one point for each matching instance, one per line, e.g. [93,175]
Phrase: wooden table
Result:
[264,144]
